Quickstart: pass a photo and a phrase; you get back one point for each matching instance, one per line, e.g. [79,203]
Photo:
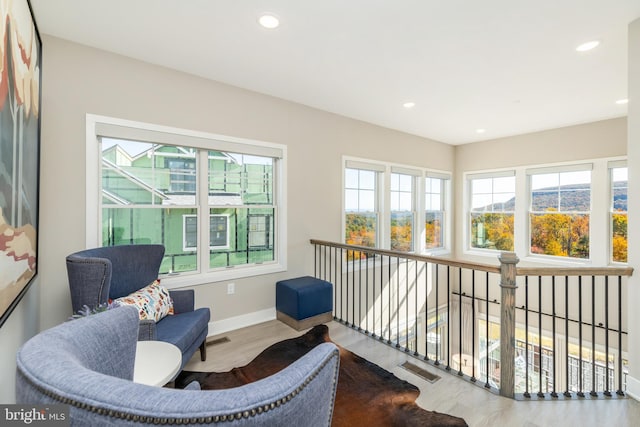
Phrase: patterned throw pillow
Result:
[152,301]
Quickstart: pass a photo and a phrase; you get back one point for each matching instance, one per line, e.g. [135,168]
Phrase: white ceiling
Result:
[507,66]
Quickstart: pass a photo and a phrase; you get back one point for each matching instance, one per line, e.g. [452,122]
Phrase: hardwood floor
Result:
[450,394]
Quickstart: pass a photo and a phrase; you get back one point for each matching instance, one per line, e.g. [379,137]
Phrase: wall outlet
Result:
[231,288]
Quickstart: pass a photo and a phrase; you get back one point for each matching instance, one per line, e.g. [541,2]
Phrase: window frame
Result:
[383,195]
[620,164]
[559,170]
[413,196]
[377,209]
[469,209]
[600,218]
[95,125]
[444,191]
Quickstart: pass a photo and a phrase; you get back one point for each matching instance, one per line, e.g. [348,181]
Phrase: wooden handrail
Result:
[574,271]
[416,257]
[520,271]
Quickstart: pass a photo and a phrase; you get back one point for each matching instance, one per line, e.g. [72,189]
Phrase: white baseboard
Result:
[232,323]
[633,387]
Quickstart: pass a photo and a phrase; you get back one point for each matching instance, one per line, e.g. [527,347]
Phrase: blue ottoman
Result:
[304,302]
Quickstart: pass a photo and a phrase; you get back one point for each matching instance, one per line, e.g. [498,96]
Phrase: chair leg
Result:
[203,350]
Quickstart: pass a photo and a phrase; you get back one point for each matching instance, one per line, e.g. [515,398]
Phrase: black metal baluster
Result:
[373,300]
[607,390]
[351,302]
[359,295]
[486,384]
[580,376]
[448,368]
[389,310]
[366,288]
[335,282]
[397,302]
[346,295]
[415,322]
[325,262]
[406,305]
[526,337]
[426,311]
[540,392]
[553,334]
[566,334]
[381,337]
[343,262]
[315,260]
[437,362]
[460,321]
[593,393]
[473,326]
[620,392]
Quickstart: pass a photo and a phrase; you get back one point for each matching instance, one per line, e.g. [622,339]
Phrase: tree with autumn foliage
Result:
[619,231]
[402,232]
[492,231]
[560,234]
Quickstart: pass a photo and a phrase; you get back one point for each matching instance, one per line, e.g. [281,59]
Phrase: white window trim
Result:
[94,215]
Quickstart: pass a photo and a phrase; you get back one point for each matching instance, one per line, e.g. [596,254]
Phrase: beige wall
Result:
[607,138]
[79,80]
[633,382]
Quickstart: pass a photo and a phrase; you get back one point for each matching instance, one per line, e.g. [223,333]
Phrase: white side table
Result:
[156,363]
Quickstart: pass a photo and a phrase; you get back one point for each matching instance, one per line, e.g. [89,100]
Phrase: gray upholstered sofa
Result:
[88,365]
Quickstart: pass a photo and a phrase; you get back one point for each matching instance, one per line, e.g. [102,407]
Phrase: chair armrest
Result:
[183,300]
[147,330]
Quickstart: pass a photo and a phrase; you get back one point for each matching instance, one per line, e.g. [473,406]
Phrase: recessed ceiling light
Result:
[409,105]
[481,130]
[622,101]
[588,46]
[269,21]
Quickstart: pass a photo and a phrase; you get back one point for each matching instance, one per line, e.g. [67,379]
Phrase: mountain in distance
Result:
[574,197]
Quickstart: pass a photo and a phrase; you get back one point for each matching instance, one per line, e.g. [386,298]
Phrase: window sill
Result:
[177,281]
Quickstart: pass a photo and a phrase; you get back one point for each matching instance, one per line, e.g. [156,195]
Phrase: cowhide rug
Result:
[367,395]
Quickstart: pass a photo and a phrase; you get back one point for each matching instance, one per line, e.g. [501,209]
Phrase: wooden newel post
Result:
[508,261]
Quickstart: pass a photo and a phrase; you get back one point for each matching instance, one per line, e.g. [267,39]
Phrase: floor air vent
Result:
[422,373]
[217,341]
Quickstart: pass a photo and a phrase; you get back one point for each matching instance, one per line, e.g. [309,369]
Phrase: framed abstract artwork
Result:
[20,96]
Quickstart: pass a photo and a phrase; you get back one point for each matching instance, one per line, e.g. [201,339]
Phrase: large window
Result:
[560,212]
[618,175]
[563,212]
[434,212]
[361,207]
[395,207]
[402,212]
[492,211]
[212,204]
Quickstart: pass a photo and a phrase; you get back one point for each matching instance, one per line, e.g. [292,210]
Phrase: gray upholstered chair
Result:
[88,364]
[110,272]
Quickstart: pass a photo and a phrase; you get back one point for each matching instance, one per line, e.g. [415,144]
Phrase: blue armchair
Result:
[88,364]
[110,272]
